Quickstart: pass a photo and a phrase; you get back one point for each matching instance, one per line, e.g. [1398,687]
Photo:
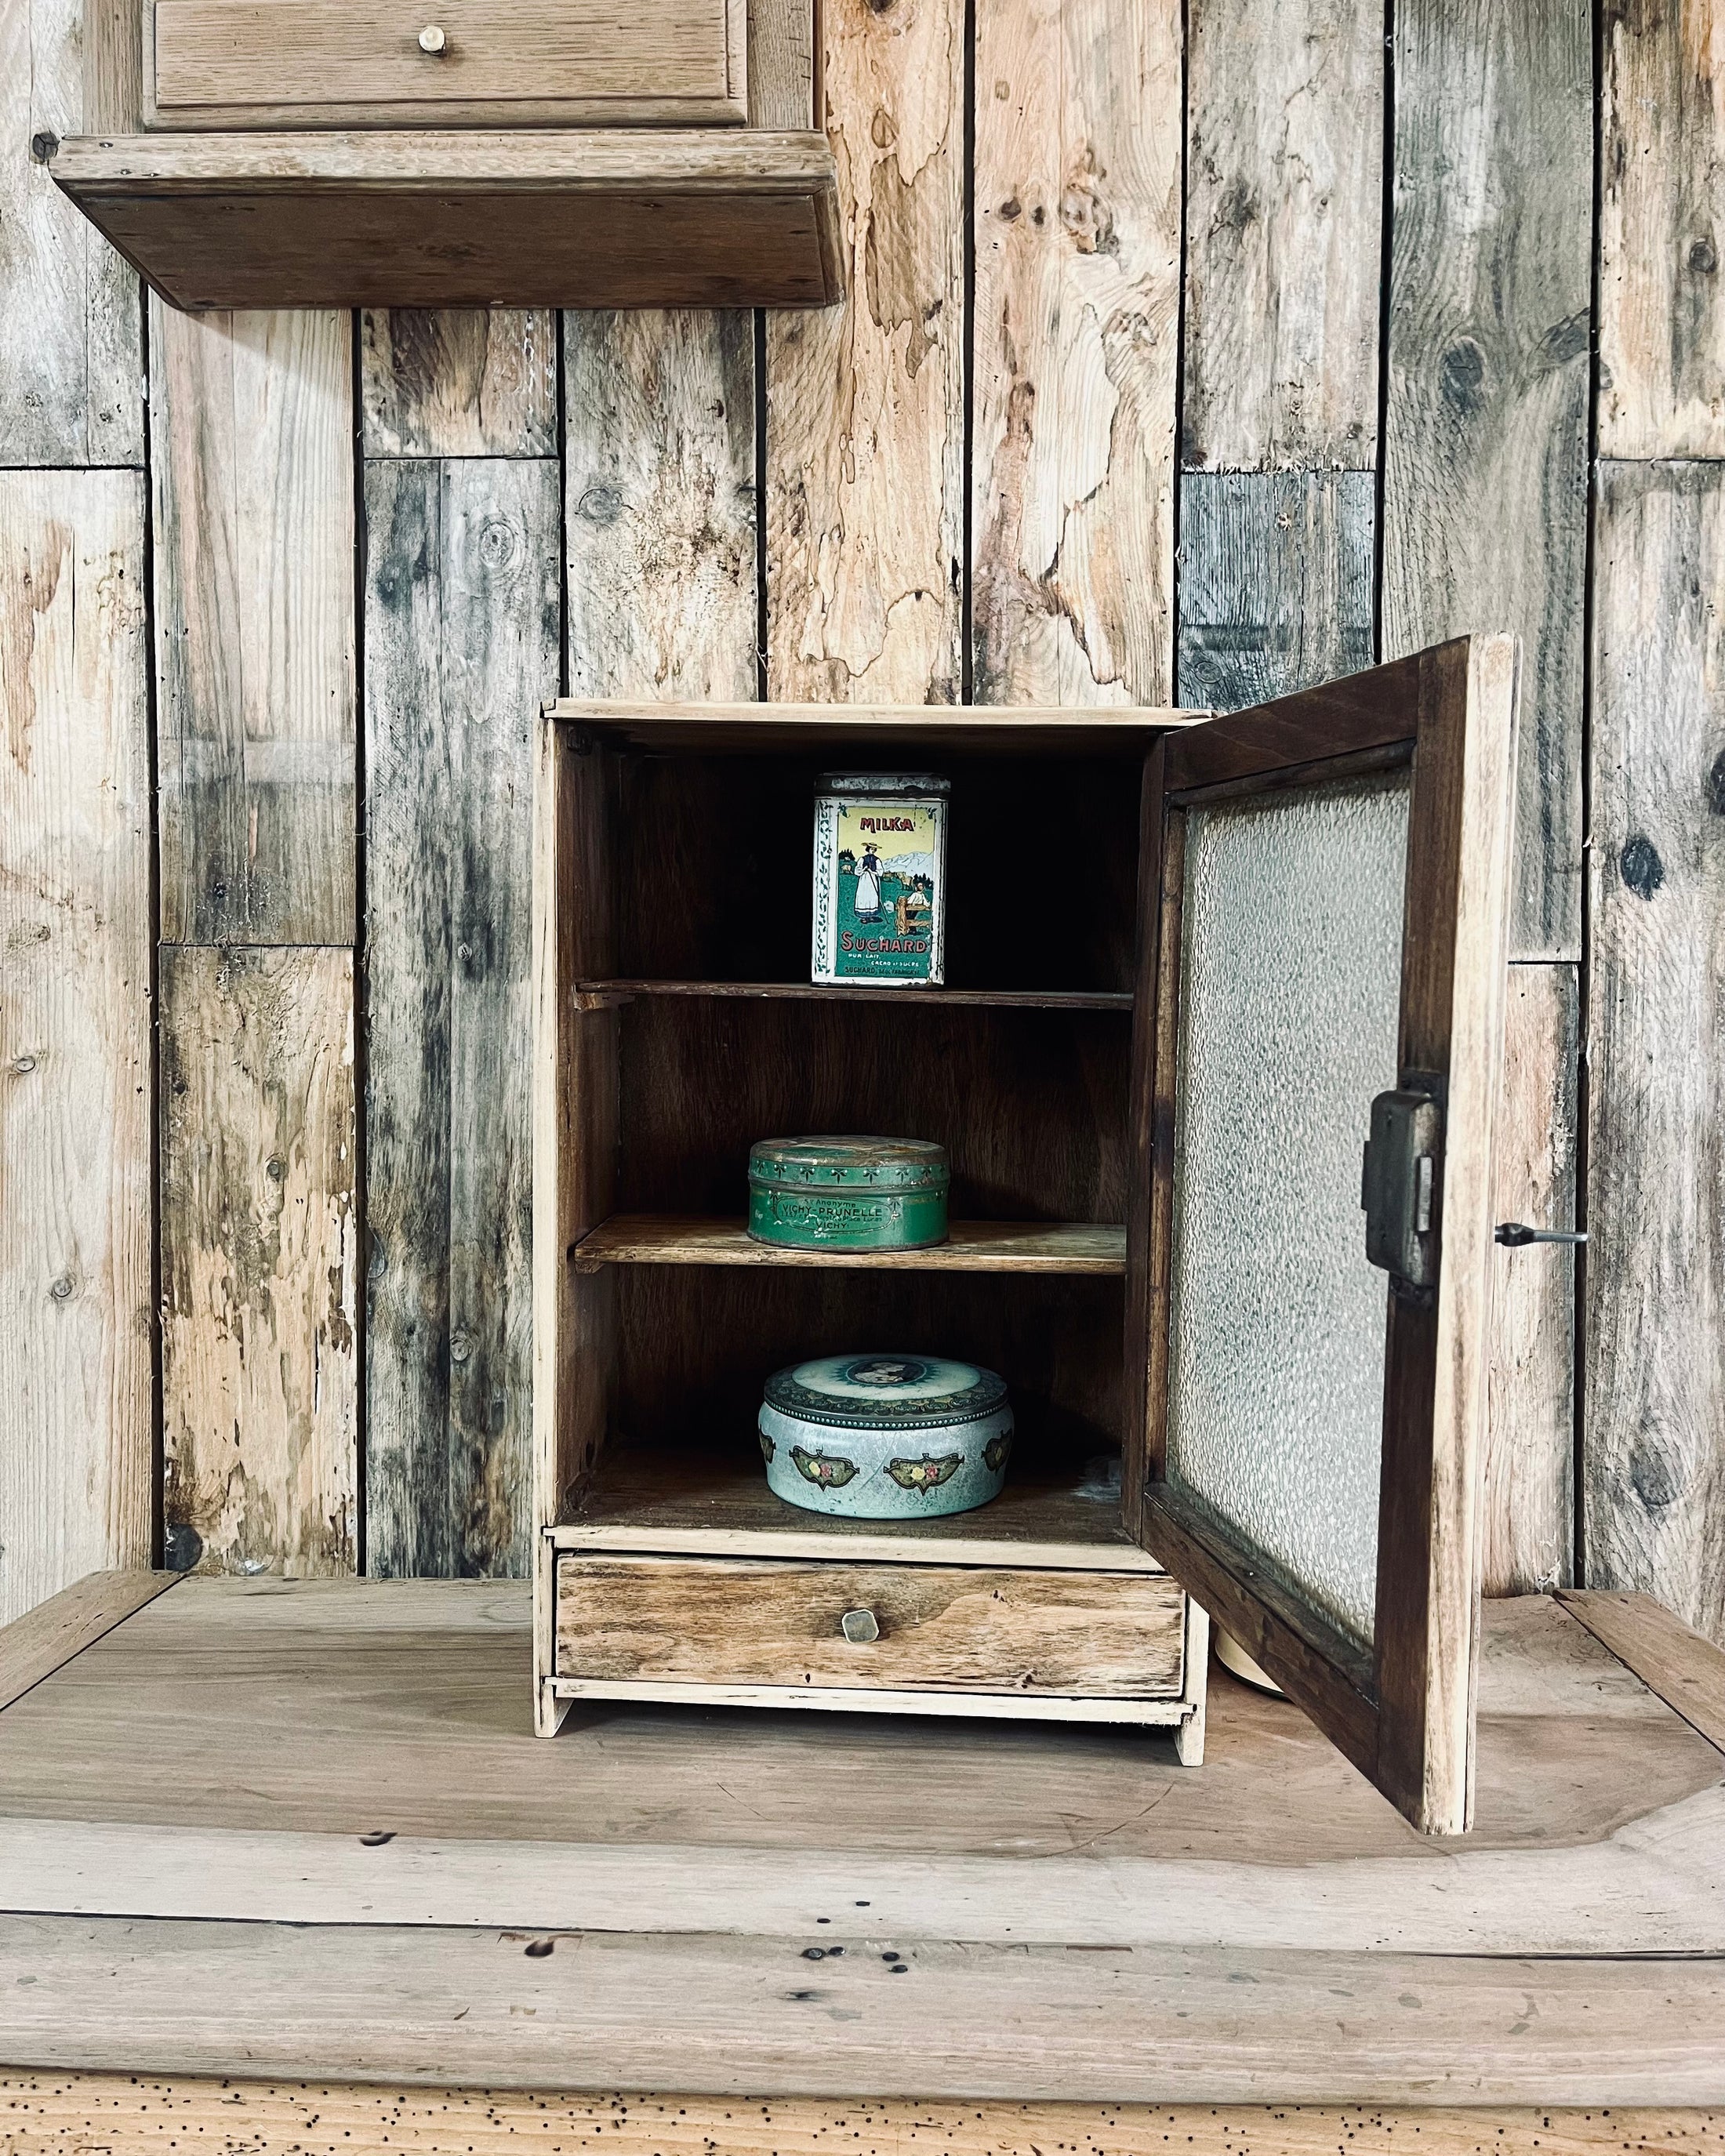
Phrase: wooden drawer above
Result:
[317,63]
[661,1621]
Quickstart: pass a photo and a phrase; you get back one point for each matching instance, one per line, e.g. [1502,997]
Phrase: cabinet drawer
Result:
[770,1621]
[270,64]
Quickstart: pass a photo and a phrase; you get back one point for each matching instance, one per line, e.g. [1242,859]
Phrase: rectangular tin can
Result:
[880,878]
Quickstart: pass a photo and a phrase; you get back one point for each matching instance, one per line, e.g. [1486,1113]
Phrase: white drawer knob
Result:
[431,38]
[859,1626]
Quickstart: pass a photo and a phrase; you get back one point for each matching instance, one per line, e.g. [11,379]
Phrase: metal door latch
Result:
[1399,1187]
[1514,1236]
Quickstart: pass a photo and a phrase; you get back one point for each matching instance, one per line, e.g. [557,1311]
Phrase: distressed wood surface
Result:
[1285,144]
[251,424]
[461,648]
[398,1705]
[458,382]
[729,2014]
[1661,229]
[1485,472]
[771,1621]
[659,512]
[1528,1497]
[71,318]
[75,1337]
[34,1645]
[1670,1657]
[50,2114]
[865,451]
[1075,330]
[1276,583]
[1654,1460]
[259,1263]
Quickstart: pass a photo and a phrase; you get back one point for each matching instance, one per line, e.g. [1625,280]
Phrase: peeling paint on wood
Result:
[75,1326]
[1077,339]
[260,1261]
[864,444]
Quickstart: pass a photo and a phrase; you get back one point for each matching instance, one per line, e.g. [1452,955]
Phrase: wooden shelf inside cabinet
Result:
[673,1503]
[600,995]
[462,218]
[977,1246]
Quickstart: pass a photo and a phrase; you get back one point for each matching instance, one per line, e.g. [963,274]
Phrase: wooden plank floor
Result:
[303,1830]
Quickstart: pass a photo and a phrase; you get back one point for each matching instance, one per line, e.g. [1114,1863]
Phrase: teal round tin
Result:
[885,1437]
[849,1193]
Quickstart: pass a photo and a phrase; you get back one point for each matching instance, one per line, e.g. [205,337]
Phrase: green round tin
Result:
[849,1193]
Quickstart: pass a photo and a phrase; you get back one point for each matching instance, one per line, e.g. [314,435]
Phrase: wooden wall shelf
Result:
[977,1246]
[597,995]
[587,218]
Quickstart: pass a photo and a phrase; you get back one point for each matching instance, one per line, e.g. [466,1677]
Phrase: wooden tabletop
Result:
[303,1828]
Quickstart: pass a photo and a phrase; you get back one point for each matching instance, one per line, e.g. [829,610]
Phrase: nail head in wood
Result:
[432,39]
[859,1627]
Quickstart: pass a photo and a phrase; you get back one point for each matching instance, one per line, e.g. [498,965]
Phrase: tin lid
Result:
[883,785]
[855,1162]
[886,1392]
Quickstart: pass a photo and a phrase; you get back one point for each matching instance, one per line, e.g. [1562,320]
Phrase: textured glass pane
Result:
[1292,928]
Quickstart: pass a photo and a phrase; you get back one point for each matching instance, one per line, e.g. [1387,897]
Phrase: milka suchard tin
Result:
[880,878]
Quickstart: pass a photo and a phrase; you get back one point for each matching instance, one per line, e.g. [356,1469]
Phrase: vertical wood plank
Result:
[1275,584]
[260,1247]
[1654,1459]
[461,648]
[253,431]
[1662,229]
[1283,217]
[1486,429]
[1529,1475]
[458,382]
[864,445]
[1076,350]
[71,320]
[659,518]
[75,1338]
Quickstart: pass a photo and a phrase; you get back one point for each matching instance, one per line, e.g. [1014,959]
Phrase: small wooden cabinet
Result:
[1186,958]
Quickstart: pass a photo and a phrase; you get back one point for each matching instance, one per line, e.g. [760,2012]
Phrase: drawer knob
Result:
[432,39]
[859,1626]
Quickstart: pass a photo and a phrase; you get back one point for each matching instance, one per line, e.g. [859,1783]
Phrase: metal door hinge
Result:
[1401,1186]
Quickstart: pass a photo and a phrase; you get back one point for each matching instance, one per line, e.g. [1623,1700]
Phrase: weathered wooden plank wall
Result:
[1197,350]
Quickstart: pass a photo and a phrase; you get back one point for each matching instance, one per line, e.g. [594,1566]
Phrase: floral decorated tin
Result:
[885,1437]
[880,878]
[849,1193]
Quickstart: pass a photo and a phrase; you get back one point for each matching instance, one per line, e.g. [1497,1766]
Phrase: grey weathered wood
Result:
[461,648]
[46,1637]
[252,421]
[71,319]
[1654,1462]
[1661,231]
[260,1255]
[1276,583]
[1285,137]
[659,518]
[1528,1491]
[1485,517]
[75,1202]
[458,382]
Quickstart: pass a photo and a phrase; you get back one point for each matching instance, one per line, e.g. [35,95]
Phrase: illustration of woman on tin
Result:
[868,885]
